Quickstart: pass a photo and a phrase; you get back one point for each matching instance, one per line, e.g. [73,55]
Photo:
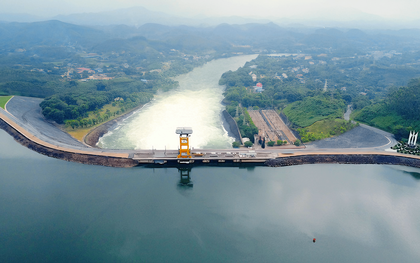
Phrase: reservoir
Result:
[57,211]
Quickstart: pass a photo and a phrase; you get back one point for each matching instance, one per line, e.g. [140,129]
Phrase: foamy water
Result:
[196,103]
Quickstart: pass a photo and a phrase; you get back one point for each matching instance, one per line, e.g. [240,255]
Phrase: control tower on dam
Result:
[203,157]
[186,155]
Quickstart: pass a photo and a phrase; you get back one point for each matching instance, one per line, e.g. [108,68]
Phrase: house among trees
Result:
[259,87]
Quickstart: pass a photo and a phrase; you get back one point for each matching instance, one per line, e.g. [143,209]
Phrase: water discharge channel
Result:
[195,103]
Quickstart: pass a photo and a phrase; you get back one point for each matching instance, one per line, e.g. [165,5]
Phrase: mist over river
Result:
[195,103]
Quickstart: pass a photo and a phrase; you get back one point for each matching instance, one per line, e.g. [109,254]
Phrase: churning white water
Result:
[195,103]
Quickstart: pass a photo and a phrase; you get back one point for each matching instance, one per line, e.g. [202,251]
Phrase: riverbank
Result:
[92,137]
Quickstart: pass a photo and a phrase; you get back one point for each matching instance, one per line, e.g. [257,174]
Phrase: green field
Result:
[4,100]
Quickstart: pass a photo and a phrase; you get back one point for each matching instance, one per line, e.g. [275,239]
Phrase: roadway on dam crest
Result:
[24,115]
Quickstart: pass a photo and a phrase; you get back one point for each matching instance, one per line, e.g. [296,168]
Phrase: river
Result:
[196,103]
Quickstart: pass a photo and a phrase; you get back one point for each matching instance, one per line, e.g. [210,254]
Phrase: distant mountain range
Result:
[223,38]
[47,33]
[137,16]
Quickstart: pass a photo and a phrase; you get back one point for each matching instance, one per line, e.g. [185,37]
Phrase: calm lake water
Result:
[56,211]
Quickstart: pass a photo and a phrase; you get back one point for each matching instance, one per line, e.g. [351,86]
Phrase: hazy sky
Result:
[396,9]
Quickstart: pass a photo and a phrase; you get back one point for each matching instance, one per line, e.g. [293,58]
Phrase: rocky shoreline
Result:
[344,159]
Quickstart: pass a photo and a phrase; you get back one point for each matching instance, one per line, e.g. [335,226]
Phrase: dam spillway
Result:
[195,103]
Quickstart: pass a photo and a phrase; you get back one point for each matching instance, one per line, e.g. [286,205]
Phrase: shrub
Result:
[297,142]
[270,143]
[248,144]
[236,144]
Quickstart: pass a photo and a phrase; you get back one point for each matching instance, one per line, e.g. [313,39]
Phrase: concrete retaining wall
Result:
[344,159]
[290,125]
[233,126]
[67,156]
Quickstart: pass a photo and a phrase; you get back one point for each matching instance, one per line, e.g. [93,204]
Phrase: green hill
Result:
[398,113]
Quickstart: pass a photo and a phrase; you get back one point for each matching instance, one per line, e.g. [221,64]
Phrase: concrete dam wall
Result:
[233,126]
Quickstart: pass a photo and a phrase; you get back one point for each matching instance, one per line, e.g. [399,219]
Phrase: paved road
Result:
[26,112]
[359,137]
[347,113]
[363,136]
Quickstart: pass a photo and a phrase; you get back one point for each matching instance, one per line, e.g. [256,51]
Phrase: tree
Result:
[280,142]
[297,142]
[248,144]
[100,86]
[236,144]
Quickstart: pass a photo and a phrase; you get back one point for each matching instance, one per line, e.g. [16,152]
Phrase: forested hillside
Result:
[397,113]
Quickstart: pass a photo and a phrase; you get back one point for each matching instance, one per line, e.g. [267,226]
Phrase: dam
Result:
[195,103]
[147,137]
[23,131]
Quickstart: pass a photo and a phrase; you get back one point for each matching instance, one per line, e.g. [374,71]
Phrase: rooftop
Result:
[184,130]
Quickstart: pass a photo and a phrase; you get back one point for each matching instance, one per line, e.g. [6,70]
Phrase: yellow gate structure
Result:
[184,145]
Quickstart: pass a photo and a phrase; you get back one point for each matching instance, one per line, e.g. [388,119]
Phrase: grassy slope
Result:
[4,100]
[325,129]
[312,109]
[79,133]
